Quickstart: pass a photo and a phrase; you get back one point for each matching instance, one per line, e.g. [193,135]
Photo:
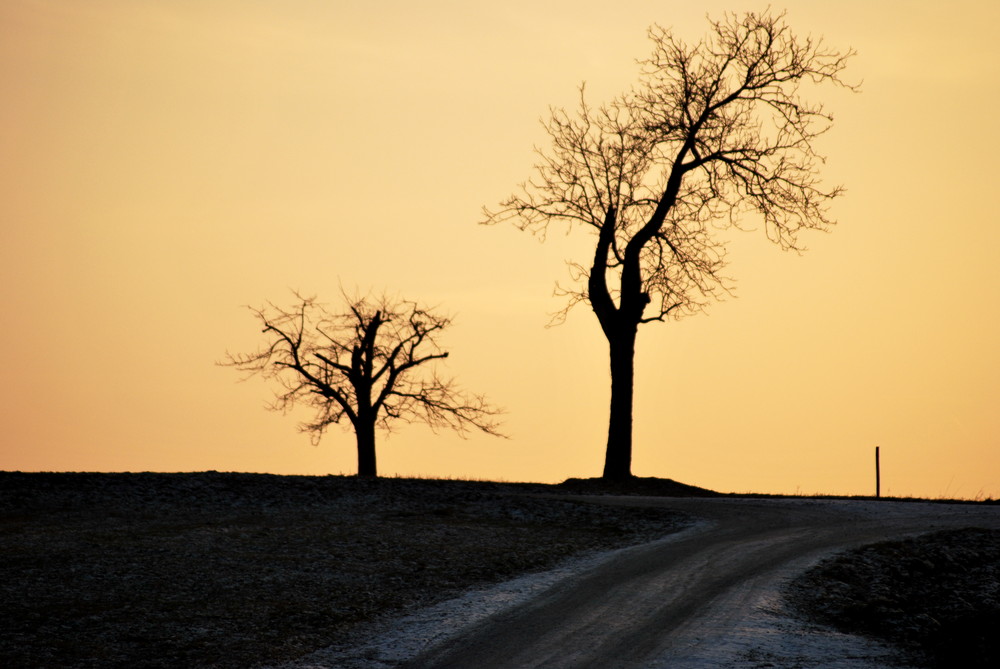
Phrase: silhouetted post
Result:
[878,476]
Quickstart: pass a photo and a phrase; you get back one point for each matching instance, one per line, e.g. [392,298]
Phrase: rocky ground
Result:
[240,570]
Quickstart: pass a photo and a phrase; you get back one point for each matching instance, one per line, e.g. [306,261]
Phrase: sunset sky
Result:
[164,163]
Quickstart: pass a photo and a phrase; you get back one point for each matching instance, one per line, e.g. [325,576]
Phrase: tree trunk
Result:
[618,457]
[365,432]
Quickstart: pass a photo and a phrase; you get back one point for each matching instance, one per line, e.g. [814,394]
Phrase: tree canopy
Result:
[373,363]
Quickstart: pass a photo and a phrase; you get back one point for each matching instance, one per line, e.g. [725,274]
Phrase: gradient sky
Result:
[163,163]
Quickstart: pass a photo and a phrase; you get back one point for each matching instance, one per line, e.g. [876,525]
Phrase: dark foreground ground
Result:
[235,570]
[936,596]
[232,570]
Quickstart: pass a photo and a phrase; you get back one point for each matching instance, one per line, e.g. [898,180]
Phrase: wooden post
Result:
[878,476]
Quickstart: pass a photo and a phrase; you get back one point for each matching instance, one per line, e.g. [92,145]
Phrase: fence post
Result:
[878,476]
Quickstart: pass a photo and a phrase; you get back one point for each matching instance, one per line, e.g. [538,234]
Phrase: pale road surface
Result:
[674,601]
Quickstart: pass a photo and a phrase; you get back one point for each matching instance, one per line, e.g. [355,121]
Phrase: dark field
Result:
[239,570]
[936,596]
[234,570]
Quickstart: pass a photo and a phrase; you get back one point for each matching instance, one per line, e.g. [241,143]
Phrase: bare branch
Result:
[366,362]
[715,132]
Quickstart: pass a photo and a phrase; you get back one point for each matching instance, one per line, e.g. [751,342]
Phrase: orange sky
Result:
[164,162]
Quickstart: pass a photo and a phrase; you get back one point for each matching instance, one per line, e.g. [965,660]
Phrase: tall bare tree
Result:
[373,363]
[714,130]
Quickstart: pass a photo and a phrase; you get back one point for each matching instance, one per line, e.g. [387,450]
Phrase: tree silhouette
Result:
[373,364]
[714,130]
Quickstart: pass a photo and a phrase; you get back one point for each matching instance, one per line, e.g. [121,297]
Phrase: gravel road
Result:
[679,601]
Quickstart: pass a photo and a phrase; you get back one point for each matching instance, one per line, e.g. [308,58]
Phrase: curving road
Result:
[666,599]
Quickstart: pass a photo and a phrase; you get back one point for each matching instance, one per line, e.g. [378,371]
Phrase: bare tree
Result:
[373,364]
[714,130]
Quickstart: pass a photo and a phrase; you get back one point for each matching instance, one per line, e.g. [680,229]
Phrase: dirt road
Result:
[671,598]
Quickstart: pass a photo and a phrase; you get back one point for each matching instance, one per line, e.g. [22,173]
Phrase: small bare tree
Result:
[373,364]
[714,130]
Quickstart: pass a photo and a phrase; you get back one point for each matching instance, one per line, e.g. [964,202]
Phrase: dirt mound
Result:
[636,485]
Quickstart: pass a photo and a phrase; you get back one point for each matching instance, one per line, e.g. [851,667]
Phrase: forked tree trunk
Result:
[620,325]
[365,432]
[618,457]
